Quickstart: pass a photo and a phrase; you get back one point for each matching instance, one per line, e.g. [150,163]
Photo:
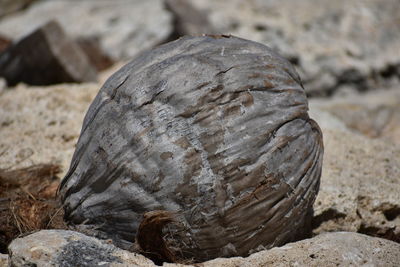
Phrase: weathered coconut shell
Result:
[214,129]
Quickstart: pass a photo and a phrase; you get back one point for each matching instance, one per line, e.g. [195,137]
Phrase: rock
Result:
[3,84]
[3,260]
[46,56]
[42,125]
[4,43]
[360,178]
[10,6]
[376,115]
[330,249]
[67,248]
[124,27]
[188,20]
[231,116]
[333,43]
[95,53]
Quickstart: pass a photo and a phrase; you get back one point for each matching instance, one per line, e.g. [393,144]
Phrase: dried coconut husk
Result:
[28,202]
[214,129]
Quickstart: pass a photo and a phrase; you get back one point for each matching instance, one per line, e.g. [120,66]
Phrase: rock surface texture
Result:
[336,45]
[68,248]
[214,130]
[42,125]
[11,6]
[360,184]
[124,27]
[3,260]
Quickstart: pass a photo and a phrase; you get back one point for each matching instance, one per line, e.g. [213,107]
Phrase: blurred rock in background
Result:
[334,44]
[188,20]
[337,46]
[360,178]
[11,6]
[46,56]
[97,56]
[124,27]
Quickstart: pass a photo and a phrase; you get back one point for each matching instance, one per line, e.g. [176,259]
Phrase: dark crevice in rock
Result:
[391,213]
[294,59]
[390,71]
[327,215]
[352,76]
[358,81]
[382,232]
[261,27]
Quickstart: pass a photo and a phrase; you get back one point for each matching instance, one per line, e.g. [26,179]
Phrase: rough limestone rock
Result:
[329,249]
[95,53]
[360,181]
[3,260]
[213,130]
[124,27]
[11,6]
[376,115]
[3,84]
[49,248]
[46,56]
[68,248]
[42,125]
[333,43]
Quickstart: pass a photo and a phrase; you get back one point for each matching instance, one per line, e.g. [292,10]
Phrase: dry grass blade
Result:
[17,221]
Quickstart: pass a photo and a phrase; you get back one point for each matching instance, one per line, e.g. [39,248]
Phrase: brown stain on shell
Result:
[183,142]
[231,111]
[268,84]
[166,155]
[247,99]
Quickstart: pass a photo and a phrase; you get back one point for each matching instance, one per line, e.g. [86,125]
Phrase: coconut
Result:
[207,141]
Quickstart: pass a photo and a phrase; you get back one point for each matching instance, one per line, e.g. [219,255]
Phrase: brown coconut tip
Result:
[150,236]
